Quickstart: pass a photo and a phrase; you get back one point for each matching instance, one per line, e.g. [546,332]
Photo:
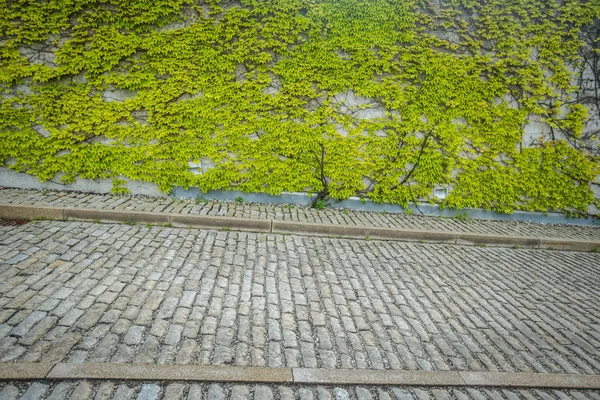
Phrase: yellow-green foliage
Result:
[259,86]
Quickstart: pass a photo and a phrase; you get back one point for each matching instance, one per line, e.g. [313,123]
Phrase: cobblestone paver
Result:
[295,213]
[217,391]
[84,292]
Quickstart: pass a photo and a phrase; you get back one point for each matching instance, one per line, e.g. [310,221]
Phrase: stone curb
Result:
[307,376]
[376,377]
[143,217]
[25,370]
[530,380]
[31,212]
[238,224]
[362,232]
[163,372]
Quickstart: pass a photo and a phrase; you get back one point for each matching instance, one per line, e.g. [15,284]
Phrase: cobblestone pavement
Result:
[215,391]
[295,213]
[84,292]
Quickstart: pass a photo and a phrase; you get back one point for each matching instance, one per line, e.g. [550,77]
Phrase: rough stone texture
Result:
[35,391]
[367,377]
[272,300]
[149,392]
[295,213]
[169,391]
[534,380]
[25,370]
[170,372]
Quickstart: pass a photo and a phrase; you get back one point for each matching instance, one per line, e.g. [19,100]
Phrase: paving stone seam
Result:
[31,212]
[308,376]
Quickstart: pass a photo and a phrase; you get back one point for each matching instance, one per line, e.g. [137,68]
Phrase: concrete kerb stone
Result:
[412,235]
[245,224]
[361,232]
[496,240]
[91,214]
[530,380]
[27,212]
[32,212]
[163,372]
[376,377]
[307,228]
[570,244]
[307,376]
[24,370]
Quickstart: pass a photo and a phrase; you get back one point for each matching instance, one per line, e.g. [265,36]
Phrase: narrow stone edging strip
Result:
[531,380]
[143,217]
[163,372]
[30,212]
[292,227]
[24,370]
[306,376]
[569,244]
[361,232]
[376,377]
[497,240]
[239,224]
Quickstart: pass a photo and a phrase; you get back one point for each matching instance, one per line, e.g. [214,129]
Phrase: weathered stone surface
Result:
[371,377]
[103,390]
[149,392]
[56,200]
[246,299]
[24,370]
[524,380]
[170,372]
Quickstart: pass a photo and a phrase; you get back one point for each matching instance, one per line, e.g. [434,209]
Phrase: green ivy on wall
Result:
[377,98]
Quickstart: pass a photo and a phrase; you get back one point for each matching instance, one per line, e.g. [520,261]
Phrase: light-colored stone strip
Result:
[143,217]
[376,377]
[30,212]
[160,372]
[362,232]
[266,225]
[24,371]
[238,224]
[530,380]
[306,376]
